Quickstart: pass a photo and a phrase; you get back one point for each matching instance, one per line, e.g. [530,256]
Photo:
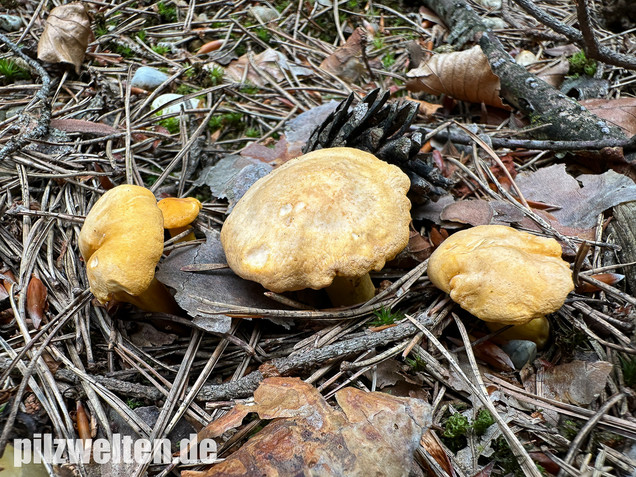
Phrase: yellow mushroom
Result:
[121,242]
[503,276]
[178,214]
[323,220]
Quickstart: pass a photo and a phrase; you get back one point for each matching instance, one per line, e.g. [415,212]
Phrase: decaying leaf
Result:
[220,285]
[232,176]
[36,301]
[578,382]
[346,62]
[373,433]
[145,336]
[473,212]
[580,199]
[431,444]
[271,62]
[66,35]
[464,75]
[554,74]
[619,112]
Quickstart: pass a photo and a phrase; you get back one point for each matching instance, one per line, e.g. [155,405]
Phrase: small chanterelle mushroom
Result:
[121,242]
[502,275]
[329,216]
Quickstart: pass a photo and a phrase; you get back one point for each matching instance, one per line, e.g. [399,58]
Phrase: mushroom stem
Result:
[177,230]
[537,330]
[346,291]
[156,298]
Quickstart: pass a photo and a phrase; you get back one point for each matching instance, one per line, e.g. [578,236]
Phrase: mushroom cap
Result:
[179,212]
[500,274]
[121,242]
[337,211]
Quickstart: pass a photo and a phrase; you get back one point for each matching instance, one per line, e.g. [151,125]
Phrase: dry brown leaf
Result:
[36,301]
[66,35]
[609,278]
[619,112]
[554,74]
[431,443]
[271,62]
[373,433]
[426,109]
[472,212]
[582,198]
[578,382]
[464,75]
[345,62]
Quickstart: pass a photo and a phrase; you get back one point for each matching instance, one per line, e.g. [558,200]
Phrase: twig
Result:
[588,426]
[585,39]
[42,127]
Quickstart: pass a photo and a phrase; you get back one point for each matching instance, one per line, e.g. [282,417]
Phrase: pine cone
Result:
[385,131]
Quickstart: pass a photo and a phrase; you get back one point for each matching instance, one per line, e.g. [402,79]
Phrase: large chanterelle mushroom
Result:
[329,216]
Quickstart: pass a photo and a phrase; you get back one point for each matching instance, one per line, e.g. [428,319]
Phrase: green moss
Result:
[233,120]
[249,88]
[628,367]
[122,50]
[416,364]
[215,75]
[171,124]
[456,425]
[455,430]
[185,89]
[161,49]
[263,35]
[378,42]
[10,71]
[252,132]
[384,316]
[167,13]
[483,421]
[388,60]
[133,403]
[142,35]
[581,64]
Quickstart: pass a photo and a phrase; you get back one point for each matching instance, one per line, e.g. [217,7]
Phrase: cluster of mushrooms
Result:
[324,220]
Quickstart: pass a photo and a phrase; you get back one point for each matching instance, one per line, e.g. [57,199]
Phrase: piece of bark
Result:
[562,117]
[623,227]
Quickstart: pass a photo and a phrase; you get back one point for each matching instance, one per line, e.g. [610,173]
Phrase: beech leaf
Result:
[464,75]
[216,285]
[582,198]
[620,112]
[346,61]
[66,35]
[372,434]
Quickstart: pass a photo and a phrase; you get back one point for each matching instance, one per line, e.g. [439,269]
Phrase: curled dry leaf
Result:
[608,278]
[373,433]
[36,301]
[345,62]
[431,443]
[66,35]
[464,75]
